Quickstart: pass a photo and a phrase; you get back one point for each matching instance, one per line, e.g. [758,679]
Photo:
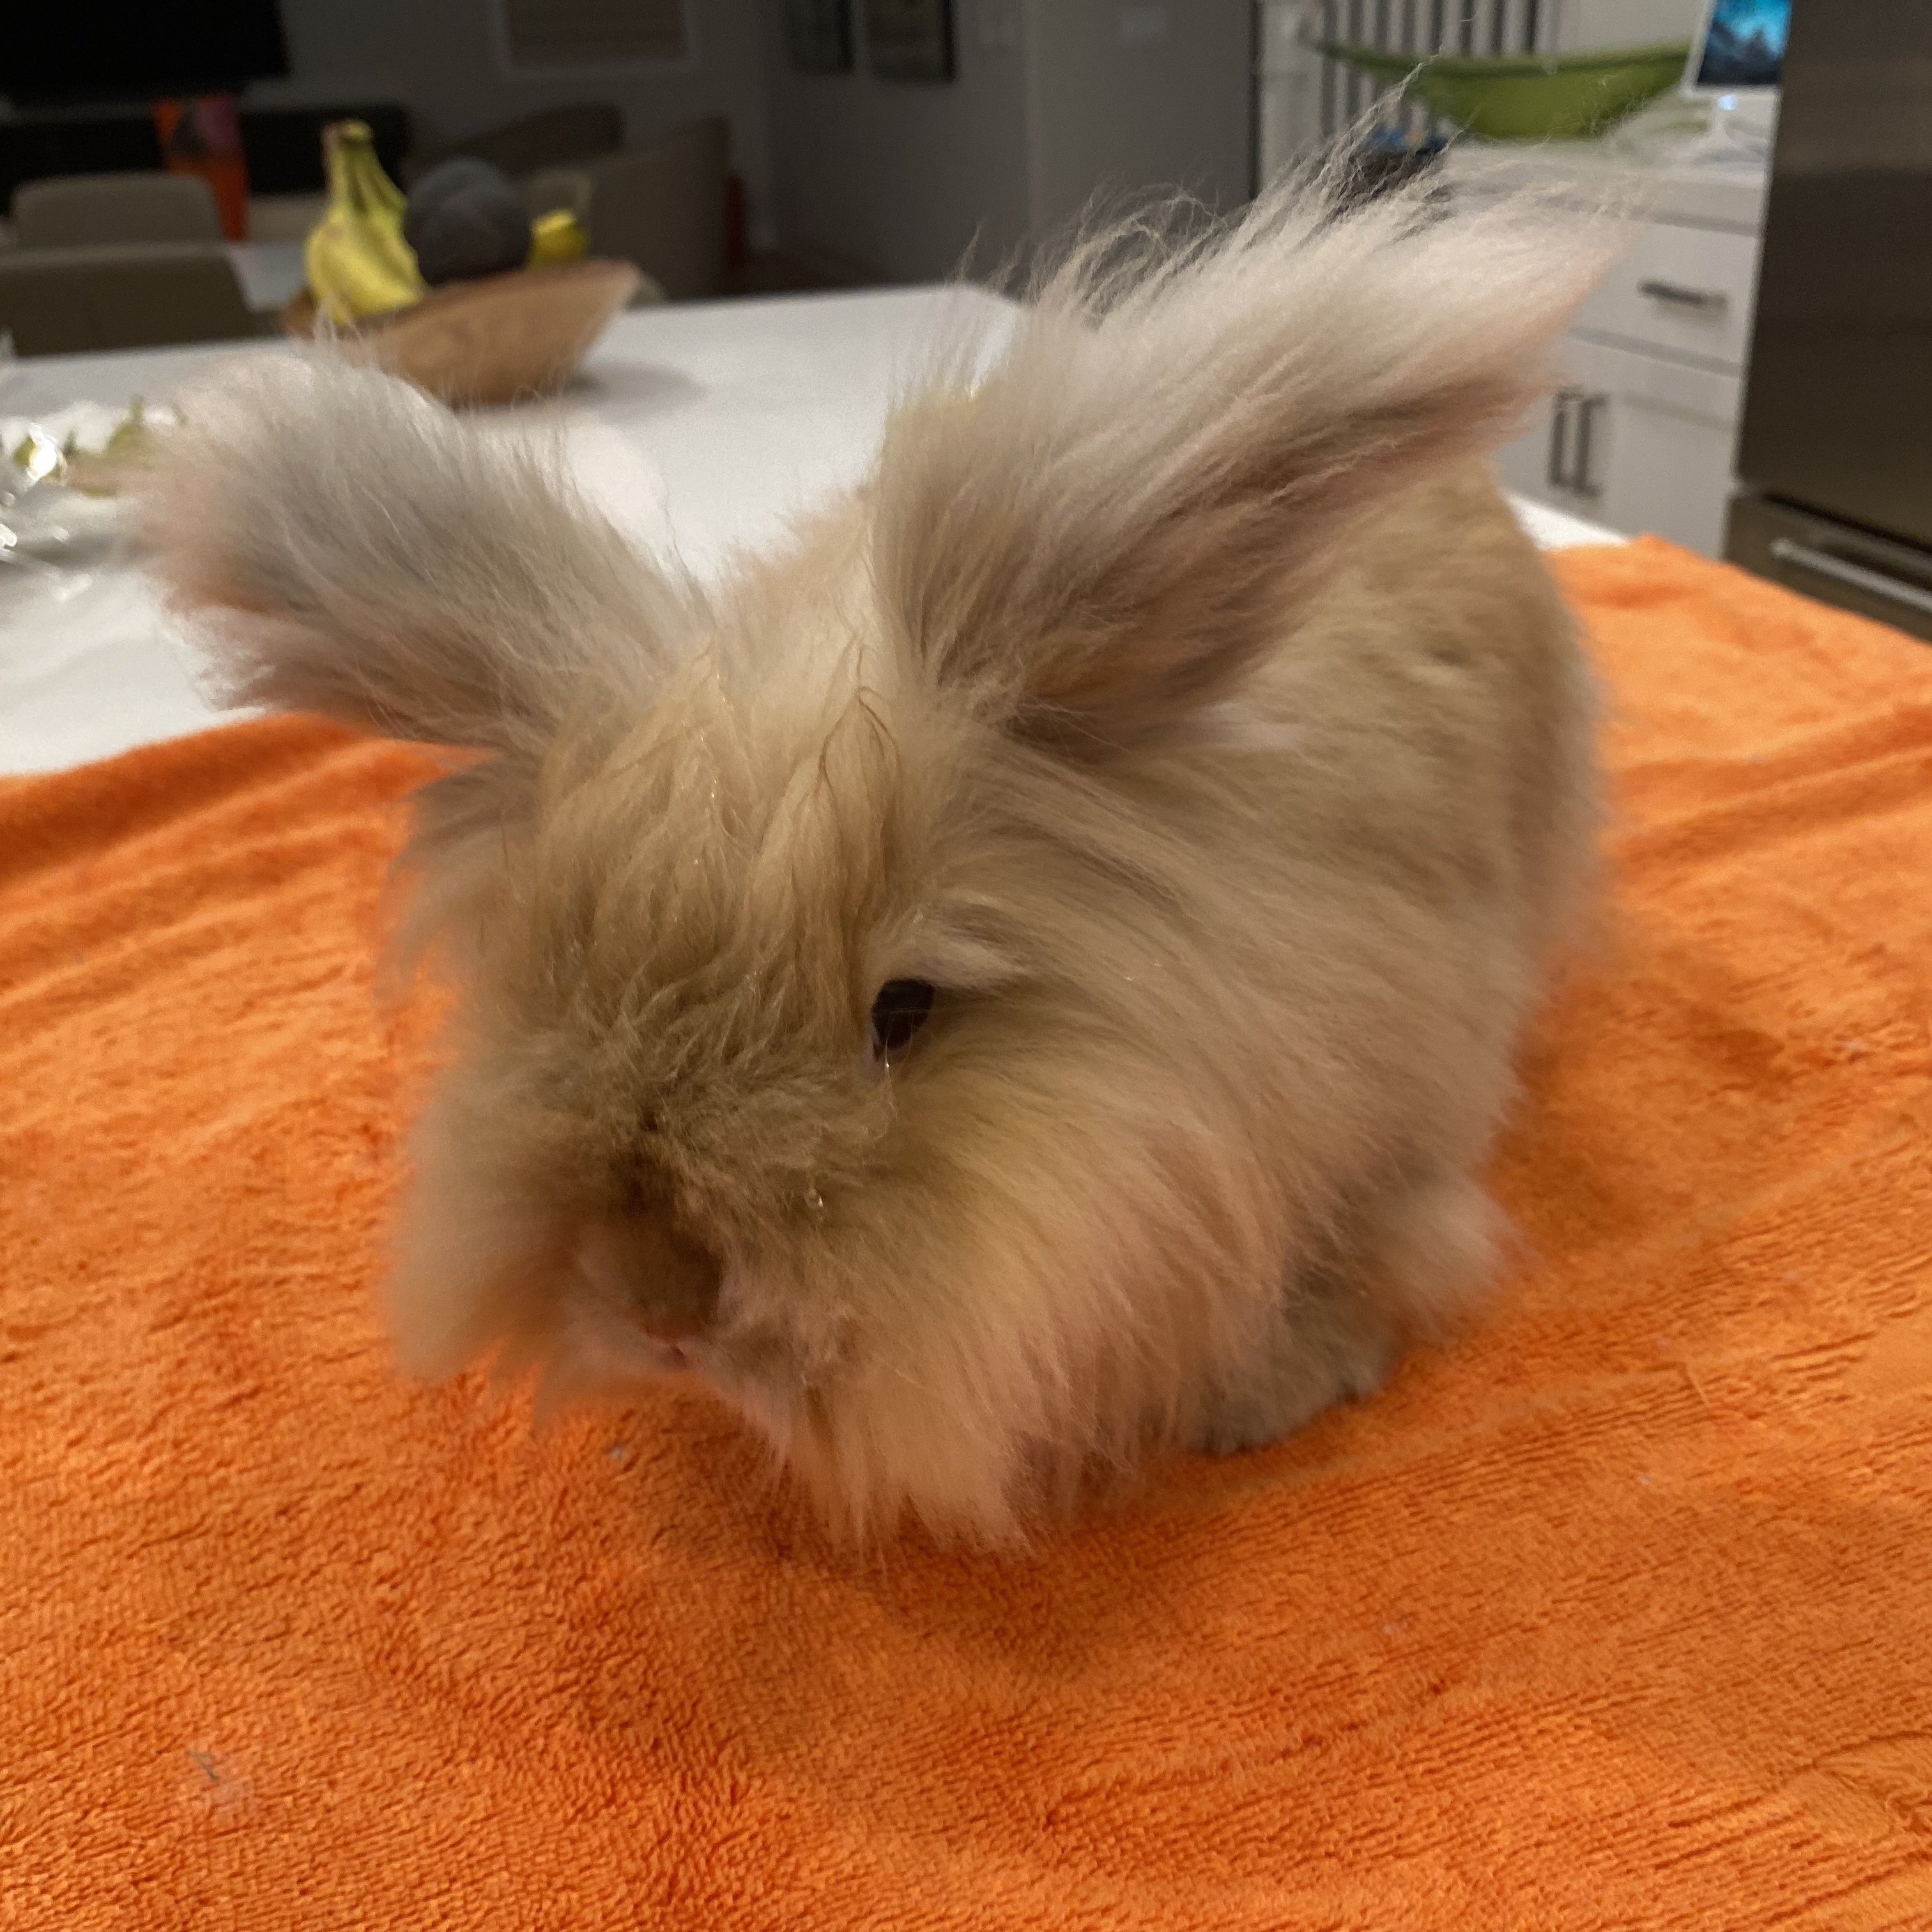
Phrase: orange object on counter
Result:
[203,136]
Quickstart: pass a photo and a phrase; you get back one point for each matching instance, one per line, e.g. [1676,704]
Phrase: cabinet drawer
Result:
[1633,441]
[1687,291]
[1584,365]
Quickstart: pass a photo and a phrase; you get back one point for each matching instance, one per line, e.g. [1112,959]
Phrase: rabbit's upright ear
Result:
[348,547]
[1110,528]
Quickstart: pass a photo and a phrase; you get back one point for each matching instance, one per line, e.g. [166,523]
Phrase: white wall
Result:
[904,176]
[1624,23]
[440,59]
[1053,101]
[1137,96]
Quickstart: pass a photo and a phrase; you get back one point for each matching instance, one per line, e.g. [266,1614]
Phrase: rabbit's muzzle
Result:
[645,1266]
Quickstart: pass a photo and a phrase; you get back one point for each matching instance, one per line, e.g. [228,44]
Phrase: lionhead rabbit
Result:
[1027,972]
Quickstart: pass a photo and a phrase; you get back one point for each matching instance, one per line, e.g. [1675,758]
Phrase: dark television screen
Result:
[83,50]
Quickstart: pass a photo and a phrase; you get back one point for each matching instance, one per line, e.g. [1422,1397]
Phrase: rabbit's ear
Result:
[1112,526]
[348,547]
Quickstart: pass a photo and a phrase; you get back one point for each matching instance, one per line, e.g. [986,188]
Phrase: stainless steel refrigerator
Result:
[1834,460]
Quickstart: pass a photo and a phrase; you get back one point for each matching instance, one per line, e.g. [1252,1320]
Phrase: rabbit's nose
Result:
[662,1280]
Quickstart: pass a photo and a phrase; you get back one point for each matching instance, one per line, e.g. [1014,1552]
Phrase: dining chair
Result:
[59,302]
[90,211]
[661,205]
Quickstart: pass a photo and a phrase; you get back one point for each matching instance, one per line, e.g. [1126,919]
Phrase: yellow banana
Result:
[382,193]
[357,262]
[382,203]
[349,281]
[556,237]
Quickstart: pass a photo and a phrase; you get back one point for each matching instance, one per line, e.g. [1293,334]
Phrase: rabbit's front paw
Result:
[1336,1348]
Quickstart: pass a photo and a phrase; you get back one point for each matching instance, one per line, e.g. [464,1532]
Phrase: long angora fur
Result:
[1178,700]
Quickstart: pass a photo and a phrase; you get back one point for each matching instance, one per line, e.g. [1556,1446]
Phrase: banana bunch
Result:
[359,265]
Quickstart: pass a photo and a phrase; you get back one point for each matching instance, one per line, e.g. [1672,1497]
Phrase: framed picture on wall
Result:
[910,40]
[818,36]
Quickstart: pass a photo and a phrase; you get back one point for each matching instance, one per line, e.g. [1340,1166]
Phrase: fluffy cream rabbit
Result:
[1028,972]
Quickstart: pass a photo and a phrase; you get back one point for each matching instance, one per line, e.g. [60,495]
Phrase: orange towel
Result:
[1619,1614]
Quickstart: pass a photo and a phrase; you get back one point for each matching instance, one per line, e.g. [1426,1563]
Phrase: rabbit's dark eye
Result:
[898,1013]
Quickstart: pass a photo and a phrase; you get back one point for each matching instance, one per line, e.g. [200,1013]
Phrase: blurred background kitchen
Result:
[164,167]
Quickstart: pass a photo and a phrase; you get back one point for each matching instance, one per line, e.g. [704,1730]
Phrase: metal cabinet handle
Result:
[1876,582]
[1555,472]
[1706,301]
[1581,481]
[1567,465]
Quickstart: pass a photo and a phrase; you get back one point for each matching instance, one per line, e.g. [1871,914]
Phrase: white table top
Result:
[701,426]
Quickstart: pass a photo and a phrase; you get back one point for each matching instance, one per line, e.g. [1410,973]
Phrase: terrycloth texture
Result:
[1619,1614]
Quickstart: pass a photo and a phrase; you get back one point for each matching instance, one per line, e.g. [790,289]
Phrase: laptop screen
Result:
[1743,44]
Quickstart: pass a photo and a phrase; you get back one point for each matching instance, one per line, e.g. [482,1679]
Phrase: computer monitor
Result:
[1739,48]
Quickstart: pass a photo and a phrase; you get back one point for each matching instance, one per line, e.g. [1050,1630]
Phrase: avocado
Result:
[466,218]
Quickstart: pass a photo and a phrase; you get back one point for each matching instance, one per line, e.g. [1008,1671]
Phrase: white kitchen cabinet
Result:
[1641,435]
[1634,441]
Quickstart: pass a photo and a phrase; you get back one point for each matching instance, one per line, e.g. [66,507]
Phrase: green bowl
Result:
[1527,97]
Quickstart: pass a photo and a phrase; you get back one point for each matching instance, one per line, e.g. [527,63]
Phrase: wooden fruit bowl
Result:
[493,341]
